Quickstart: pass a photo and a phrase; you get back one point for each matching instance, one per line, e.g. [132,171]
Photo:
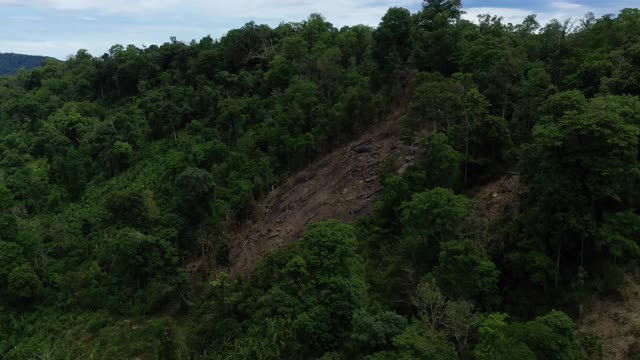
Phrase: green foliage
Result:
[317,289]
[6,197]
[438,103]
[23,284]
[546,337]
[434,214]
[127,207]
[457,107]
[550,336]
[393,39]
[436,37]
[329,261]
[194,187]
[465,271]
[618,235]
[421,343]
[376,331]
[8,228]
[396,191]
[120,155]
[135,259]
[55,336]
[10,258]
[117,171]
[493,139]
[569,101]
[577,168]
[429,219]
[439,166]
[496,342]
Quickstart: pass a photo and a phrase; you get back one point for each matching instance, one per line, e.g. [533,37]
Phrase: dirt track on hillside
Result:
[343,185]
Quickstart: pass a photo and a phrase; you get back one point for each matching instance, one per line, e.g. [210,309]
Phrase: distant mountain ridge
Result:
[11,63]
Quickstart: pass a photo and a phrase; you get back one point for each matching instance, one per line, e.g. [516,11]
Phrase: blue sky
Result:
[60,27]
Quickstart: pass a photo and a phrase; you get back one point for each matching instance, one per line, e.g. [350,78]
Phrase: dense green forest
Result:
[11,63]
[118,172]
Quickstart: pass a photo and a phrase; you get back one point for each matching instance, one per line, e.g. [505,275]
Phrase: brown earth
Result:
[500,197]
[615,321]
[344,185]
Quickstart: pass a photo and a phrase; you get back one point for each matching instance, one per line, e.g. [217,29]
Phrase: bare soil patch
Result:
[343,185]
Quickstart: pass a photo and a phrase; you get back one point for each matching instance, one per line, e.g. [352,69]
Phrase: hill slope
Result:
[343,185]
[123,176]
[10,63]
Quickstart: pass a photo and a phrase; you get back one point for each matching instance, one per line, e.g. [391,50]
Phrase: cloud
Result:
[261,9]
[557,10]
[566,5]
[510,15]
[95,25]
[45,47]
[103,6]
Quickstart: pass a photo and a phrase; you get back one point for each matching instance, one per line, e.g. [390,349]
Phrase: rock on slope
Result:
[343,185]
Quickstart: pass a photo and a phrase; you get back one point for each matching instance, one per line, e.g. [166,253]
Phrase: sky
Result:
[58,28]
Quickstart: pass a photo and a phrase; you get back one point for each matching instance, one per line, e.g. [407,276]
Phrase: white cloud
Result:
[74,23]
[558,10]
[510,15]
[106,6]
[97,24]
[566,5]
[369,11]
[97,37]
[45,47]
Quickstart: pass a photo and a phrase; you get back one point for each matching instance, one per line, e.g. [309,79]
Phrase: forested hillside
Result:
[125,180]
[10,63]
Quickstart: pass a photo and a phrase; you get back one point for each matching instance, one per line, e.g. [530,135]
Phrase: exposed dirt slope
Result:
[500,197]
[615,321]
[344,185]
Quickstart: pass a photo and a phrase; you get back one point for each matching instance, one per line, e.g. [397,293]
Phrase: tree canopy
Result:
[514,202]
